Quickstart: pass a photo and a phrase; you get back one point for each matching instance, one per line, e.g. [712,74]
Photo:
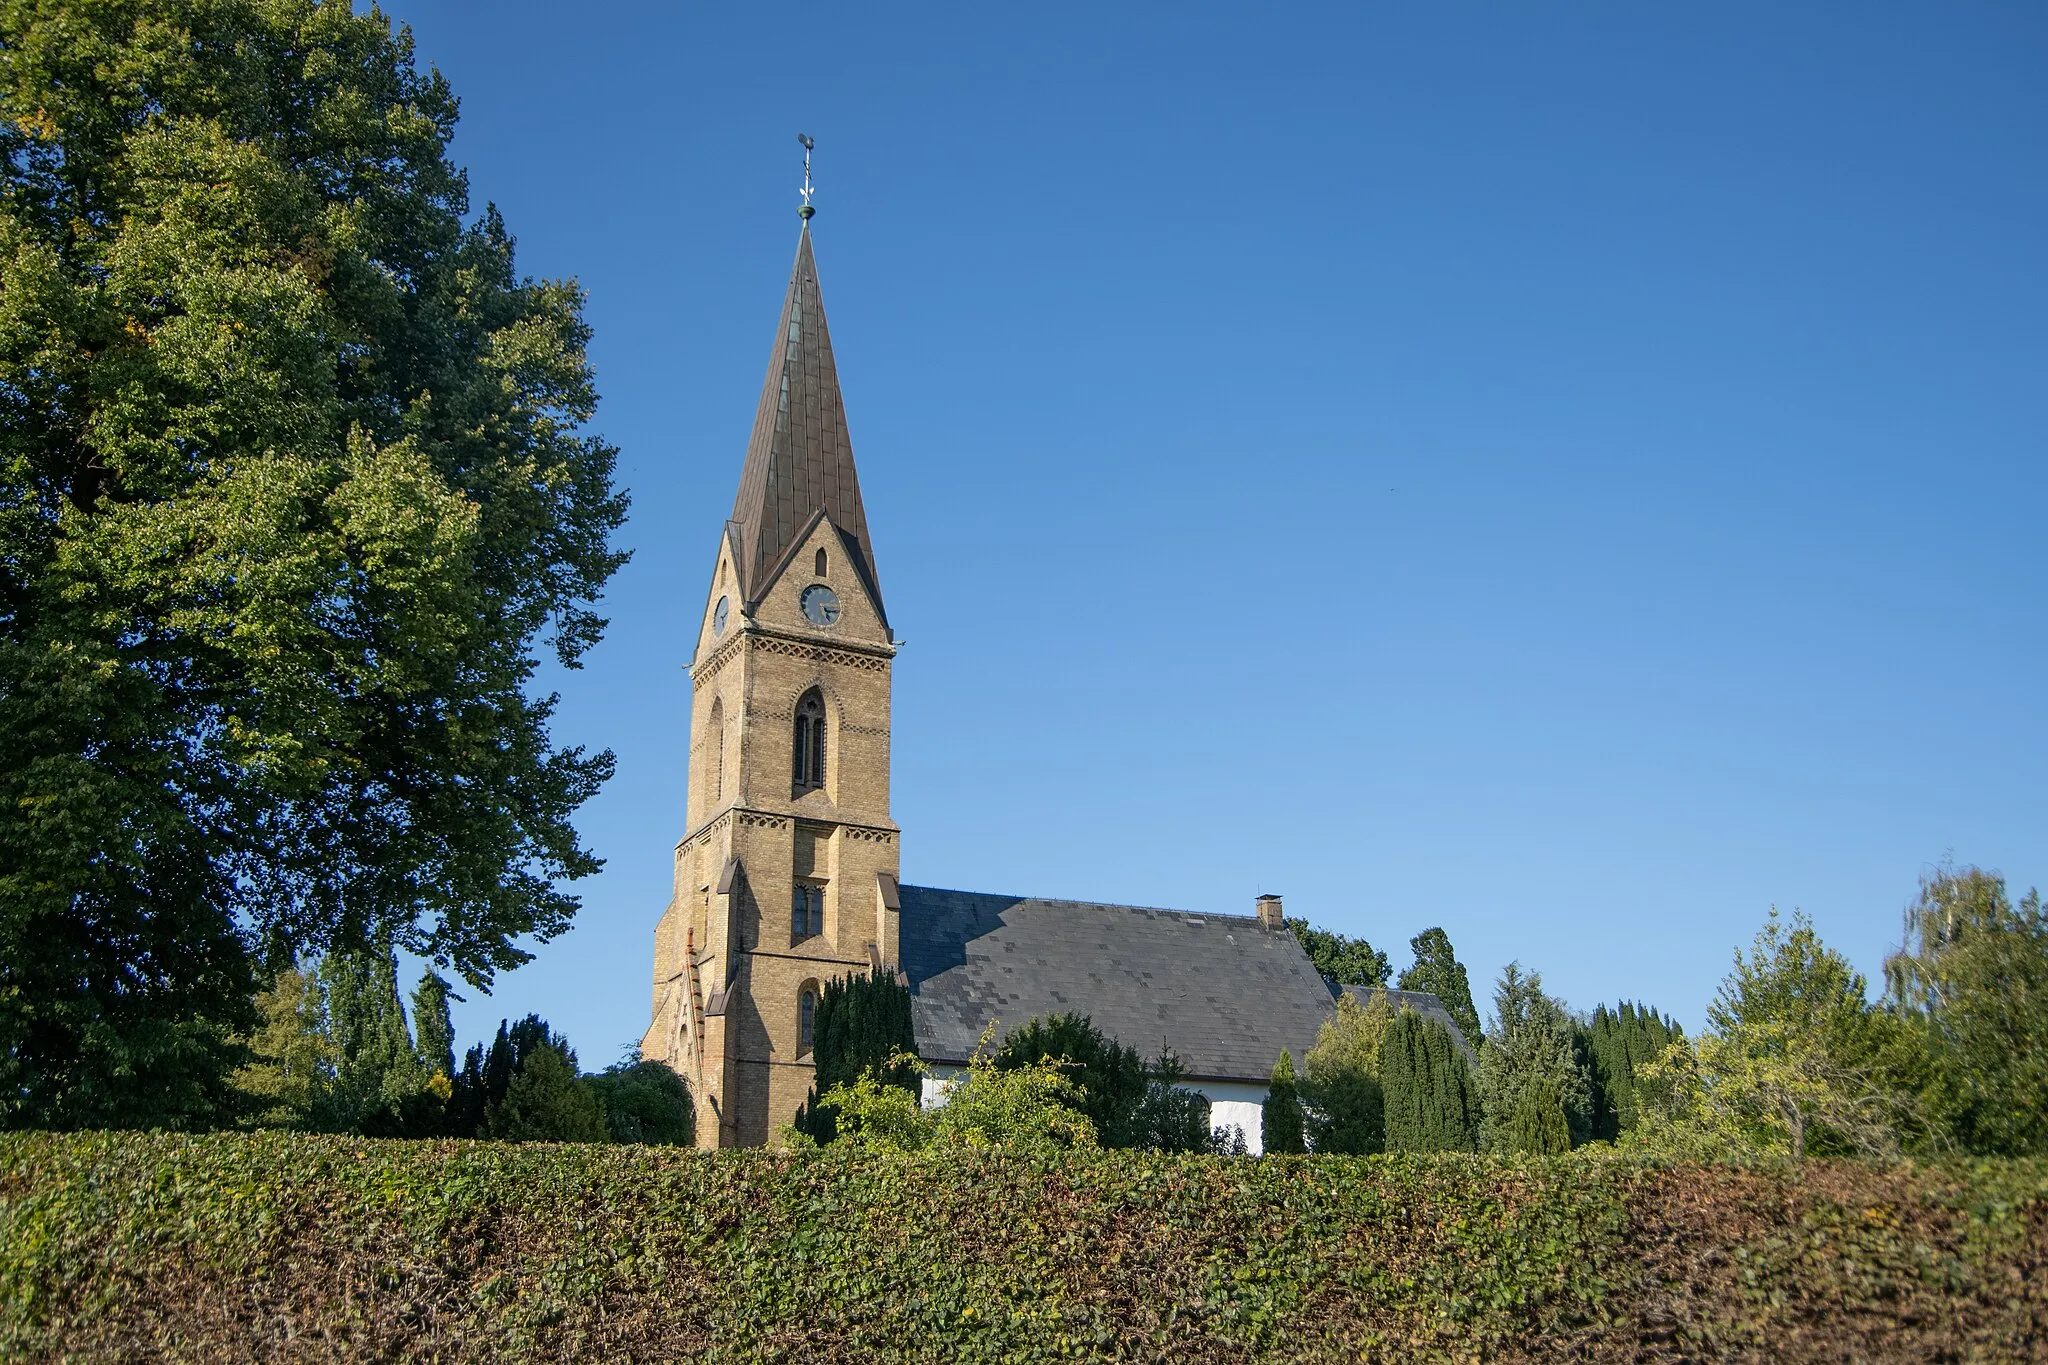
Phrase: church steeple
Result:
[785,877]
[800,458]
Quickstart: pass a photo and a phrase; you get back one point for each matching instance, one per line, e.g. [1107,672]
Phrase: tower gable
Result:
[779,603]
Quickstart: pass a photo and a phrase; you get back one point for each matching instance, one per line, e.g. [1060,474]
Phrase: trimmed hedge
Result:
[119,1246]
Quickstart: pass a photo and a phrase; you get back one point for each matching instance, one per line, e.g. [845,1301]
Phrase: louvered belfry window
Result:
[810,742]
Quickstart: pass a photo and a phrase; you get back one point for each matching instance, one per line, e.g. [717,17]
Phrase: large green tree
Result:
[1972,975]
[1344,960]
[380,1083]
[1340,1092]
[292,1058]
[645,1102]
[1619,1042]
[1431,1102]
[1794,1060]
[1436,969]
[1534,1081]
[862,1026]
[294,488]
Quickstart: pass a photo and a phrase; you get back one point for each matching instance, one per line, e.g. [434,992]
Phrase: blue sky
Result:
[1572,477]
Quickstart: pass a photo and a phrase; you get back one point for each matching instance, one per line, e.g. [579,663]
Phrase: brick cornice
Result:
[849,654]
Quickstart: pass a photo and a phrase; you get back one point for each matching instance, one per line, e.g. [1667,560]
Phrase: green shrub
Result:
[645,1102]
[276,1245]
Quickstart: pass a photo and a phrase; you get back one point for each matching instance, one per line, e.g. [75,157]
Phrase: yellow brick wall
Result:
[746,682]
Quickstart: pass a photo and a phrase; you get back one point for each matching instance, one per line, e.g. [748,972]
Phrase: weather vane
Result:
[806,211]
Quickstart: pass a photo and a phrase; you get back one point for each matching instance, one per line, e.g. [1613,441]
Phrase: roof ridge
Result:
[1068,900]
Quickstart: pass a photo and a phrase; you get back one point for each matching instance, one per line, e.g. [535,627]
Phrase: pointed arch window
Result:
[821,563]
[809,771]
[806,1018]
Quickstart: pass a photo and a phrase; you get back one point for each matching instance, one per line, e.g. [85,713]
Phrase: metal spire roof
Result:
[800,459]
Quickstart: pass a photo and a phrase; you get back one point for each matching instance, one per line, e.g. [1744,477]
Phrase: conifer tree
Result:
[1438,971]
[1529,1065]
[1430,1102]
[433,1025]
[546,1101]
[1280,1124]
[860,1024]
[293,1060]
[1618,1042]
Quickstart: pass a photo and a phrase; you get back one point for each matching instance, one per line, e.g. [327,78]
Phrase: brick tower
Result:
[786,873]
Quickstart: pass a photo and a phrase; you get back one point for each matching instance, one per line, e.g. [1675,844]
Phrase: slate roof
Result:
[1423,1003]
[800,458]
[1225,994]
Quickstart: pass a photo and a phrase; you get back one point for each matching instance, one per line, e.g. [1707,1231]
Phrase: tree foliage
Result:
[433,1028]
[862,1026]
[292,1062]
[1618,1043]
[546,1101]
[1109,1078]
[645,1102]
[1282,1131]
[1340,1094]
[1533,1081]
[1032,1108]
[1171,1117]
[1971,977]
[1346,961]
[1794,1061]
[1431,1102]
[379,1084]
[1436,969]
[293,487]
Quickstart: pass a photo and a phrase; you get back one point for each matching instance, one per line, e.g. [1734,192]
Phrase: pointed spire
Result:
[800,459]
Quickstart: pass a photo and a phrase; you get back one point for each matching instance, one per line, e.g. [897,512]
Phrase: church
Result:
[788,873]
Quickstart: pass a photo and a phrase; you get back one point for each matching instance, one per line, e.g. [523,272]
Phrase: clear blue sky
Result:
[1572,477]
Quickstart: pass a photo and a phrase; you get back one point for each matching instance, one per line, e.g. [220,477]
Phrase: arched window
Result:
[821,562]
[806,912]
[806,1018]
[810,742]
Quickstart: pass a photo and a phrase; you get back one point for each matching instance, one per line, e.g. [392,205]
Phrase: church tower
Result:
[786,873]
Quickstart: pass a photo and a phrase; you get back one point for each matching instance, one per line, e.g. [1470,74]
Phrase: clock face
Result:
[718,615]
[820,604]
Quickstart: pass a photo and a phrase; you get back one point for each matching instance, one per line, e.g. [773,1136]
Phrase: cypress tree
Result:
[860,1023]
[1617,1043]
[1406,1083]
[1455,1097]
[1280,1125]
[1430,1102]
[1537,1124]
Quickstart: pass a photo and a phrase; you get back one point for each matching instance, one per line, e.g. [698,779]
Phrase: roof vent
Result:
[1269,912]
